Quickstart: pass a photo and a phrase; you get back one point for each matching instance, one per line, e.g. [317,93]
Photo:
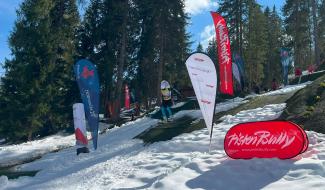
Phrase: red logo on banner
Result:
[206,101]
[86,73]
[198,59]
[80,137]
[266,139]
[211,86]
[224,54]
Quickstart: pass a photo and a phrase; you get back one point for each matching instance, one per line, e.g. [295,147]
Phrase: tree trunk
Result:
[120,67]
[316,42]
[296,50]
[30,133]
[107,90]
[160,64]
[241,33]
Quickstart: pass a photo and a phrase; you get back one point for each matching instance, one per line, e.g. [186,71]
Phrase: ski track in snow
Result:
[114,147]
[183,162]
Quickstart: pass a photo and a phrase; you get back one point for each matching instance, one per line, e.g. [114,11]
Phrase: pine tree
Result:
[109,37]
[92,44]
[171,36]
[88,32]
[297,24]
[212,52]
[272,68]
[64,22]
[121,11]
[146,78]
[124,32]
[236,13]
[321,31]
[199,48]
[163,45]
[176,71]
[36,91]
[255,52]
[315,21]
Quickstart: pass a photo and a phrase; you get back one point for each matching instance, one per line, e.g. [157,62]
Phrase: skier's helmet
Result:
[164,84]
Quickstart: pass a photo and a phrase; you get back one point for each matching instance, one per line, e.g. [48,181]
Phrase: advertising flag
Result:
[203,76]
[127,97]
[87,79]
[241,67]
[240,64]
[79,121]
[285,64]
[265,139]
[224,54]
[236,74]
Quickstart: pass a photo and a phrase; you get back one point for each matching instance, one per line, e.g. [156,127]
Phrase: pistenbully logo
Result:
[224,41]
[265,139]
[261,138]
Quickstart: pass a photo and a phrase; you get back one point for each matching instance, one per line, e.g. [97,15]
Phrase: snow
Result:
[268,112]
[16,154]
[285,90]
[28,151]
[230,104]
[306,72]
[184,162]
[179,104]
[3,181]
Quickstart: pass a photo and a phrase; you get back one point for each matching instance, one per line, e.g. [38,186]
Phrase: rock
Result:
[307,107]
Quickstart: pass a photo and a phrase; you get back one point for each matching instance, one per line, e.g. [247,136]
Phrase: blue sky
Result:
[200,25]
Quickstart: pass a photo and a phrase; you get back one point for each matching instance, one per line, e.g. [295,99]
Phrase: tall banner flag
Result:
[203,76]
[87,79]
[127,97]
[236,74]
[79,121]
[224,54]
[241,67]
[240,63]
[285,64]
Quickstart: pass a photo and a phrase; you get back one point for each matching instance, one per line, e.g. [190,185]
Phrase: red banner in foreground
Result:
[266,139]
[224,54]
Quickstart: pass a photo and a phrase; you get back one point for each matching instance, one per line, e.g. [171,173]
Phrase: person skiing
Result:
[166,97]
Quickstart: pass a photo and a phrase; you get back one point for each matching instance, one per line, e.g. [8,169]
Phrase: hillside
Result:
[307,107]
[182,161]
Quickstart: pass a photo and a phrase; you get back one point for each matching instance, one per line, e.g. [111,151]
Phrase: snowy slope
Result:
[15,154]
[283,90]
[287,89]
[18,154]
[25,152]
[181,163]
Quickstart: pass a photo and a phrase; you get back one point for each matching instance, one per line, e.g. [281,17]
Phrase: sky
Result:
[200,27]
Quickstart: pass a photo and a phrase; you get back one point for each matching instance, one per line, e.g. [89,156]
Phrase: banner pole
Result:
[214,109]
[210,142]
